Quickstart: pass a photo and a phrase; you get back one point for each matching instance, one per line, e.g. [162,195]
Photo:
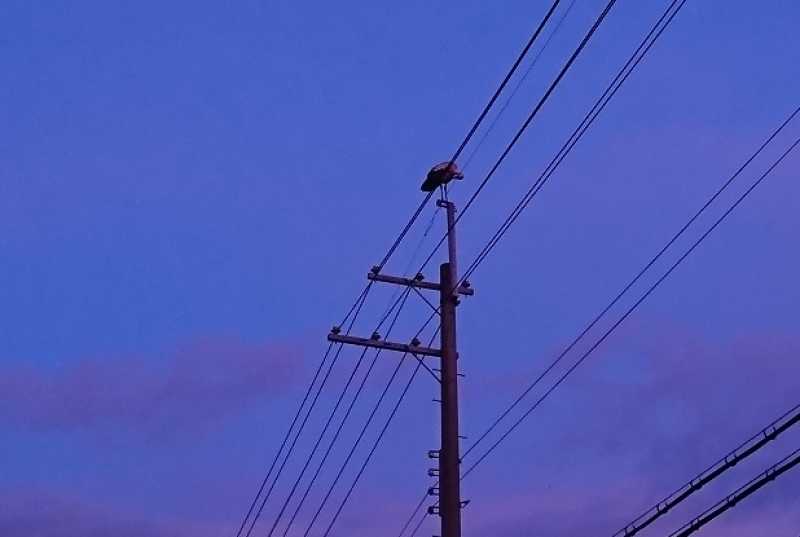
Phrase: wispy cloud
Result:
[649,411]
[197,382]
[60,515]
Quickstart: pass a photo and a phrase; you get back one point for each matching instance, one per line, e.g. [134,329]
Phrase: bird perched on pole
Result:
[440,175]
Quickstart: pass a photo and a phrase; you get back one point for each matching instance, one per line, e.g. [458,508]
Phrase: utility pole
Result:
[449,489]
[449,455]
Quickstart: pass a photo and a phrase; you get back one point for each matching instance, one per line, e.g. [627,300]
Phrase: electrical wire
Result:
[740,453]
[508,76]
[377,441]
[359,301]
[330,420]
[413,514]
[313,404]
[565,68]
[630,310]
[581,128]
[361,435]
[283,442]
[472,130]
[622,75]
[636,278]
[419,524]
[516,402]
[356,309]
[330,447]
[417,249]
[405,230]
[752,486]
[516,89]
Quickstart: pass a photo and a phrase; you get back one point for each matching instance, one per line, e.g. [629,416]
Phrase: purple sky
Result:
[191,194]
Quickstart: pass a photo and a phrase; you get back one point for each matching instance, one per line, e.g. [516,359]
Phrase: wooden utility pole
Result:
[448,455]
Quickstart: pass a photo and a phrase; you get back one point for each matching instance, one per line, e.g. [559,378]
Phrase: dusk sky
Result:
[192,194]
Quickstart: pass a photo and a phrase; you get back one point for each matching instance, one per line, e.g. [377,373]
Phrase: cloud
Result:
[650,410]
[45,514]
[652,387]
[570,512]
[195,383]
[672,390]
[557,512]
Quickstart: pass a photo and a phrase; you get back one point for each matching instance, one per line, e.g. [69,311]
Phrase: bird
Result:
[440,175]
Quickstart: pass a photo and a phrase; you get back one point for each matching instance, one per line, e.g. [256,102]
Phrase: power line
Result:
[330,446]
[356,309]
[519,84]
[751,487]
[406,228]
[377,441]
[635,279]
[330,419]
[630,310]
[508,76]
[417,250]
[474,128]
[615,325]
[313,404]
[647,42]
[359,300]
[413,514]
[528,121]
[283,442]
[622,75]
[422,205]
[419,524]
[362,433]
[740,453]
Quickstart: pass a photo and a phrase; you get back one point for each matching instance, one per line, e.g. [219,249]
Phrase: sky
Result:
[192,193]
